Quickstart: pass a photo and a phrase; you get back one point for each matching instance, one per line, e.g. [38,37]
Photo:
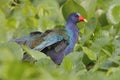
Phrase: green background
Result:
[95,57]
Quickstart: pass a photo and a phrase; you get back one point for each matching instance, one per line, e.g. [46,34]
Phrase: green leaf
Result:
[113,70]
[61,2]
[15,49]
[2,26]
[99,43]
[103,20]
[2,18]
[35,54]
[71,6]
[88,30]
[67,64]
[89,6]
[107,52]
[113,14]
[91,55]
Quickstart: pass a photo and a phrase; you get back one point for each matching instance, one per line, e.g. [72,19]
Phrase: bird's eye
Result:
[76,15]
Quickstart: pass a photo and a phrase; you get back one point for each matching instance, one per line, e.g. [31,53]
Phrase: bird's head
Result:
[76,17]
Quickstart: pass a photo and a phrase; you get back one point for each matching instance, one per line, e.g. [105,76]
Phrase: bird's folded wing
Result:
[49,40]
[39,41]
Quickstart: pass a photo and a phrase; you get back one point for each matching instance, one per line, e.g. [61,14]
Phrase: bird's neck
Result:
[72,31]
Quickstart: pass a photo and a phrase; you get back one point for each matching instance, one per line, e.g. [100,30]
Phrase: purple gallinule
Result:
[55,43]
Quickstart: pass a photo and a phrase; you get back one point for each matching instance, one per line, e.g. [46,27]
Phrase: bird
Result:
[55,43]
